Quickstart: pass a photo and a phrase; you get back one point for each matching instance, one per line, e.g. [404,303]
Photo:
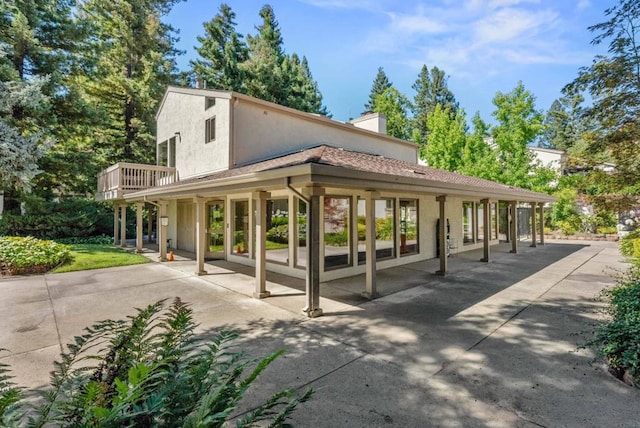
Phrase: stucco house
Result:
[256,183]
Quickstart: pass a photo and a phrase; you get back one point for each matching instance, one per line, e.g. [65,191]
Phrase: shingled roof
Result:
[363,162]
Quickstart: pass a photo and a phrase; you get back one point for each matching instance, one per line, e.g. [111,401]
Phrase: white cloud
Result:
[416,24]
[583,4]
[509,24]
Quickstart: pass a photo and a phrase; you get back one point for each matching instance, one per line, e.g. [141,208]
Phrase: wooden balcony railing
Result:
[123,178]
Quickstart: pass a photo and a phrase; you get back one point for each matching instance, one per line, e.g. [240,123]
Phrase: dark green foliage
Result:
[151,370]
[10,394]
[54,220]
[618,338]
[613,83]
[221,52]
[431,90]
[86,240]
[380,84]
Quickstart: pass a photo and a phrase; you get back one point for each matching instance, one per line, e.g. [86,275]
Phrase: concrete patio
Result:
[490,344]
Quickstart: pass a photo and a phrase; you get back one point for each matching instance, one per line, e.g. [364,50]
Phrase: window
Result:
[277,231]
[336,232]
[479,223]
[210,130]
[385,228]
[162,156]
[166,153]
[240,231]
[467,222]
[408,226]
[494,221]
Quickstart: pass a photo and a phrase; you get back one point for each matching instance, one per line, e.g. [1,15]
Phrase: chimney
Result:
[201,83]
[376,122]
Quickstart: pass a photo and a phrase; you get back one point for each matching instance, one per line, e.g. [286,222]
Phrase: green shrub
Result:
[607,230]
[565,210]
[86,240]
[618,338]
[150,371]
[567,227]
[52,220]
[279,234]
[338,239]
[384,228]
[31,255]
[630,244]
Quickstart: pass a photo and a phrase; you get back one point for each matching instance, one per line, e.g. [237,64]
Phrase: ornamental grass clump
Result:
[20,255]
[149,371]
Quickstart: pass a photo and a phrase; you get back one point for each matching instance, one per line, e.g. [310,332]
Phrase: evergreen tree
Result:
[395,106]
[380,84]
[265,78]
[446,139]
[221,52]
[21,149]
[564,125]
[303,93]
[431,89]
[132,60]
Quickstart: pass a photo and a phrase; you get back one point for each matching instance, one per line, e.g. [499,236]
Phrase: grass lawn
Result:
[91,256]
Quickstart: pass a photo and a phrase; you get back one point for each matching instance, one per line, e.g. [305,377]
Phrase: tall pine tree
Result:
[431,90]
[221,52]
[380,84]
[132,61]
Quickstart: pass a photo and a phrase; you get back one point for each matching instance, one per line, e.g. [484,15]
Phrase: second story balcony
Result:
[122,178]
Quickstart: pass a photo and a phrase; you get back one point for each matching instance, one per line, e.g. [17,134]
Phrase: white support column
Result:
[123,225]
[251,238]
[261,238]
[371,292]
[353,221]
[398,230]
[293,230]
[163,225]
[116,221]
[486,221]
[314,214]
[201,233]
[139,226]
[513,208]
[533,225]
[443,236]
[541,223]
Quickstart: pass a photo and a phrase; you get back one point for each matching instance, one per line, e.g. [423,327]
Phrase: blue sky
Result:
[484,46]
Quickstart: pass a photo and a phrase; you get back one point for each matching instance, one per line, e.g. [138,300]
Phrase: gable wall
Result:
[262,133]
[186,114]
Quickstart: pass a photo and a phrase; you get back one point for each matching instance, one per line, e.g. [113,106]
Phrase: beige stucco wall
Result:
[186,114]
[262,133]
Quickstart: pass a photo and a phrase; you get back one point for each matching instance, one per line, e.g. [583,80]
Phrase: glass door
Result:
[215,230]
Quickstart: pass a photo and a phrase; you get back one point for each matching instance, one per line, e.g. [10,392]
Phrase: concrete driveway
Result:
[488,345]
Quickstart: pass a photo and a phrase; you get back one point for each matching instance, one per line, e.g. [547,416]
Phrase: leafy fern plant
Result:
[149,371]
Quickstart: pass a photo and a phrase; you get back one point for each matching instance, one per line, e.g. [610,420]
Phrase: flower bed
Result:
[20,255]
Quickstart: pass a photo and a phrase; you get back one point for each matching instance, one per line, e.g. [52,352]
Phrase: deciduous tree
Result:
[613,82]
[395,106]
[446,139]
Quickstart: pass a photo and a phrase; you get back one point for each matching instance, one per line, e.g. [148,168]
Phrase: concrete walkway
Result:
[488,345]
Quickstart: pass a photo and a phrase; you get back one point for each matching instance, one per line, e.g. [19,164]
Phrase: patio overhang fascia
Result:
[329,176]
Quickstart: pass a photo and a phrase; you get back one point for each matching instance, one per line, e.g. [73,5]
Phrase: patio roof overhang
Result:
[312,174]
